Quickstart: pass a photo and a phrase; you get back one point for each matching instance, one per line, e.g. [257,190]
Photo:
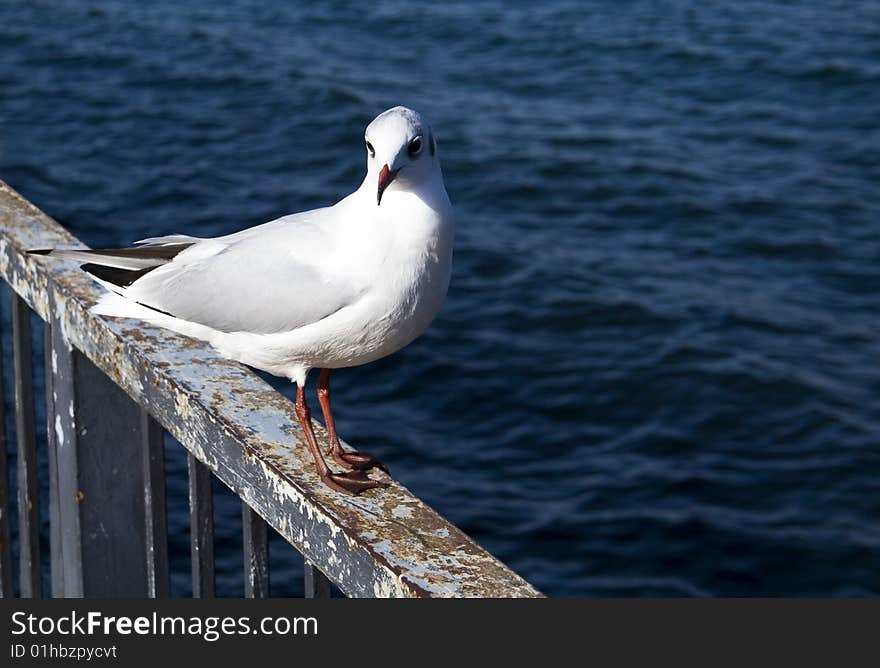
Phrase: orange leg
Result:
[352,460]
[352,482]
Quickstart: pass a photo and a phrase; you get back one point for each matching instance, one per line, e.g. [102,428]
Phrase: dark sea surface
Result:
[657,372]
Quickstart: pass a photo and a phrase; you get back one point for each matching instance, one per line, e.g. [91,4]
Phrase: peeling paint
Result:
[59,431]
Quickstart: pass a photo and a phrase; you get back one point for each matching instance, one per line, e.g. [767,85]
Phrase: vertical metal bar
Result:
[255,537]
[316,583]
[99,469]
[6,589]
[154,507]
[201,528]
[30,579]
[56,545]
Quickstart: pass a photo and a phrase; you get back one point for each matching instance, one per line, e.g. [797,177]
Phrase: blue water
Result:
[657,371]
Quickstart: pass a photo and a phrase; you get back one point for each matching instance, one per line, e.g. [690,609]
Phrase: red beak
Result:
[386,176]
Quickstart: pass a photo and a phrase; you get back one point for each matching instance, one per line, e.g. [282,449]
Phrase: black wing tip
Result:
[122,278]
[40,251]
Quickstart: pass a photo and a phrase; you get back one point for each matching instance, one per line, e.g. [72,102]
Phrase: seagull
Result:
[324,289]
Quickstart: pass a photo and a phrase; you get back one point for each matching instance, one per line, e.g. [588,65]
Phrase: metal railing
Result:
[112,386]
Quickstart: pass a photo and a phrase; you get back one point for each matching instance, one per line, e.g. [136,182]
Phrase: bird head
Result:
[401,150]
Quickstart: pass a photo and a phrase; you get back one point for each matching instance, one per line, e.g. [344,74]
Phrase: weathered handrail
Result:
[384,543]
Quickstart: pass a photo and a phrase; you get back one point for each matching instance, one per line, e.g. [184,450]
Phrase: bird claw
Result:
[351,482]
[357,461]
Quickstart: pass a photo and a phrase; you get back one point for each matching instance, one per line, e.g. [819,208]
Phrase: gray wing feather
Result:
[264,283]
[115,258]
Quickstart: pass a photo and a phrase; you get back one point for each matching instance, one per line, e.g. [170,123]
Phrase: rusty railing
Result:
[112,386]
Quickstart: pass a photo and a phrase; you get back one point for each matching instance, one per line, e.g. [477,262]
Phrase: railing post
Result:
[56,545]
[201,528]
[98,445]
[6,589]
[316,584]
[255,538]
[155,518]
[30,576]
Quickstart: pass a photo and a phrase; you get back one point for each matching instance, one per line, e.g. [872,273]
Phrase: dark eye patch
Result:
[415,147]
[371,149]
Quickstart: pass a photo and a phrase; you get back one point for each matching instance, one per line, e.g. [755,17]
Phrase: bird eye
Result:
[371,149]
[415,147]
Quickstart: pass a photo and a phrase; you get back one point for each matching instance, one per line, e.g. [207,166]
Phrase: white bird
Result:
[333,287]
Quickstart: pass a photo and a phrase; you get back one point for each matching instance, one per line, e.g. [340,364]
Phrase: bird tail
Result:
[120,267]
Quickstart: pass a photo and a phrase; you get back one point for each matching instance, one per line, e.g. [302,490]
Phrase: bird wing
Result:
[271,278]
[264,280]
